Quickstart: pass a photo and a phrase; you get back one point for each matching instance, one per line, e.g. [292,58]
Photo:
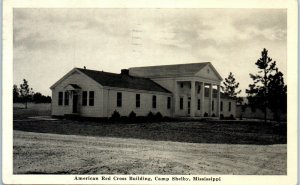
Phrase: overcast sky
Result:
[50,42]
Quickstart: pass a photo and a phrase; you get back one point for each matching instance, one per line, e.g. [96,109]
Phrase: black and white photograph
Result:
[150,95]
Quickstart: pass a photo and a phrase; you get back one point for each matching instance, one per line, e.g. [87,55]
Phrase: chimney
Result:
[125,72]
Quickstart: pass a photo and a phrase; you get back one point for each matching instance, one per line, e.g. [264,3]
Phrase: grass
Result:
[229,132]
[41,109]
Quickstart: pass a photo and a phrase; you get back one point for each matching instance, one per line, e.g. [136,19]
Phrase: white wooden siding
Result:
[86,84]
[129,103]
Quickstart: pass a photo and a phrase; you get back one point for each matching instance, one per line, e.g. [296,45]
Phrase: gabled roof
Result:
[168,70]
[123,81]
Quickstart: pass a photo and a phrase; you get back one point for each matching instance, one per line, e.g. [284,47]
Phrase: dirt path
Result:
[69,154]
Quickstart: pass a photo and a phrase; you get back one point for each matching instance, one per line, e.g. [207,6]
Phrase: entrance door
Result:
[189,105]
[75,103]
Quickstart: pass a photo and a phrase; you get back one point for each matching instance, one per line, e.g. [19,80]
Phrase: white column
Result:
[219,101]
[210,99]
[202,99]
[175,98]
[193,98]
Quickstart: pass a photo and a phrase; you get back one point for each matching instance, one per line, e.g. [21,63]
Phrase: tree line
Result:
[268,90]
[24,94]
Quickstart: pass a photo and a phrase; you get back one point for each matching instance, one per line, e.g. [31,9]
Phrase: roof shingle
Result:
[168,70]
[123,81]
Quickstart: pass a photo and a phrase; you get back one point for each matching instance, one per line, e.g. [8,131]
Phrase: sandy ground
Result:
[70,154]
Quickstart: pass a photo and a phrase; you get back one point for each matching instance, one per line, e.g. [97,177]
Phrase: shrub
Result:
[221,116]
[132,115]
[231,117]
[116,115]
[205,114]
[150,115]
[158,116]
[213,115]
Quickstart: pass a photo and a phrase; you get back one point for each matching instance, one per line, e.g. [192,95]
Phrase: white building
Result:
[185,90]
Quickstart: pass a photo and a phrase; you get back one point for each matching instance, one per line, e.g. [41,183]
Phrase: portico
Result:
[195,88]
[194,98]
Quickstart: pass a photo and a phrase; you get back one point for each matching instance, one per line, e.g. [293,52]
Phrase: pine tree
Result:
[230,86]
[25,92]
[268,87]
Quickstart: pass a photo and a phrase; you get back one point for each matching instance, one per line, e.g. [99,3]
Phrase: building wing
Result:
[123,81]
[168,70]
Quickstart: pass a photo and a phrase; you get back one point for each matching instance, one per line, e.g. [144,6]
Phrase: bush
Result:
[231,117]
[132,115]
[213,115]
[158,116]
[221,116]
[205,114]
[116,115]
[150,116]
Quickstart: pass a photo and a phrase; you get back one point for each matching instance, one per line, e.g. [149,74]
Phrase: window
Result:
[212,105]
[84,98]
[206,92]
[169,103]
[91,98]
[153,101]
[138,100]
[199,103]
[215,93]
[221,108]
[66,98]
[119,99]
[199,88]
[181,85]
[181,103]
[229,106]
[60,98]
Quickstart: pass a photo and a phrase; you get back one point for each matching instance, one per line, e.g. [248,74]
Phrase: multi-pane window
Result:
[153,101]
[91,98]
[137,100]
[229,106]
[60,98]
[66,98]
[169,103]
[84,98]
[212,105]
[199,103]
[221,108]
[119,99]
[181,103]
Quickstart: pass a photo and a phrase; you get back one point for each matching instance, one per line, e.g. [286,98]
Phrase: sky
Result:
[48,43]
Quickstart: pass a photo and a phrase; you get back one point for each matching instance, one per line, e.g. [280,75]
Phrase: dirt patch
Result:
[36,153]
